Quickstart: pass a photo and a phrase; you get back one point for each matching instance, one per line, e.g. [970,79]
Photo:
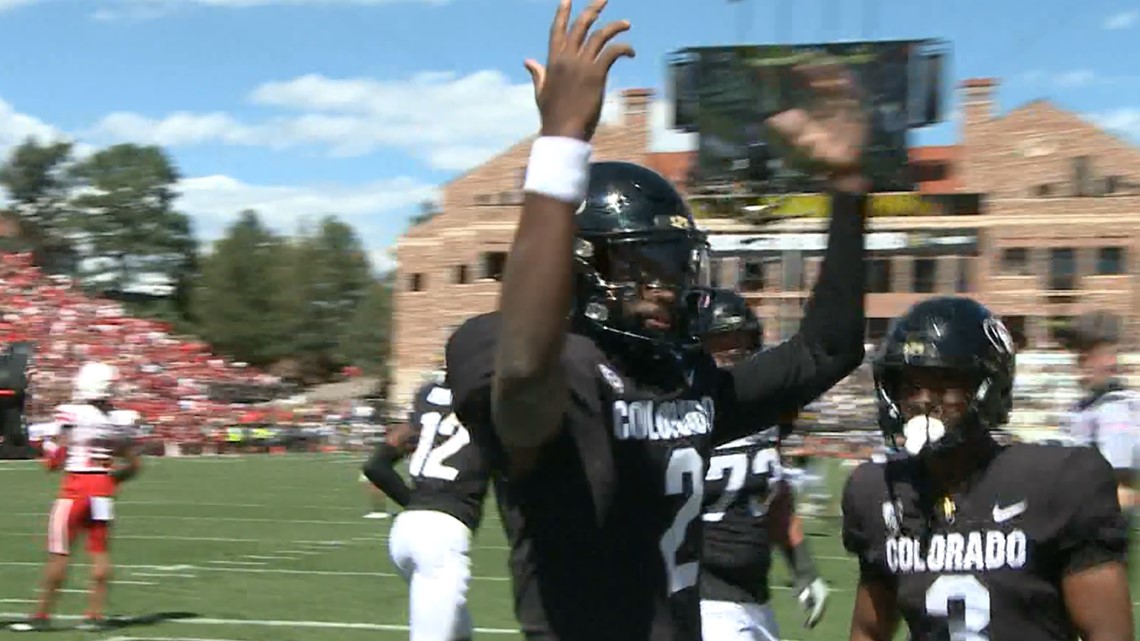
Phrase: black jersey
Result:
[605,530]
[742,479]
[448,466]
[987,565]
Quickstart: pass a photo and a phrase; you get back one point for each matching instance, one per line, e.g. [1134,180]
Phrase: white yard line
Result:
[270,623]
[177,568]
[237,519]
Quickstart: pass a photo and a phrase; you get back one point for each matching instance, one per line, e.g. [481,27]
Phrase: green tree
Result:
[127,221]
[332,275]
[38,183]
[367,340]
[241,301]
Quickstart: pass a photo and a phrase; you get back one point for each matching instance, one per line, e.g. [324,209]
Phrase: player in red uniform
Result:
[96,454]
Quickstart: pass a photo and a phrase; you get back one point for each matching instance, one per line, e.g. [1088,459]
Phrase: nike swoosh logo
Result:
[1003,514]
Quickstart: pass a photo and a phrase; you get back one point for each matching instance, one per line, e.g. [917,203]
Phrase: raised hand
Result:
[833,131]
[570,88]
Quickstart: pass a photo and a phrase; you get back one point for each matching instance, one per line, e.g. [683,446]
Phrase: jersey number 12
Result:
[683,464]
[428,461]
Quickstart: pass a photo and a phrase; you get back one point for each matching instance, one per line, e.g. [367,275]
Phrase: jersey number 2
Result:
[683,463]
[428,461]
[973,615]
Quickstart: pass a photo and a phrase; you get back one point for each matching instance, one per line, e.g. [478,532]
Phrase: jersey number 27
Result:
[429,461]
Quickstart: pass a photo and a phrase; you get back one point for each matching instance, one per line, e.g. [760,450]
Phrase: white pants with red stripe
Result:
[430,549]
[70,516]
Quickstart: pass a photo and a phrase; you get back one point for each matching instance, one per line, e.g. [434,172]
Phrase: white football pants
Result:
[430,551]
[729,621]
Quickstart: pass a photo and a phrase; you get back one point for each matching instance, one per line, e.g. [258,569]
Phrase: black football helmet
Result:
[635,231]
[723,311]
[952,333]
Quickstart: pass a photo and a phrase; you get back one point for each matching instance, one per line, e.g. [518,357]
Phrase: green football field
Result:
[274,548]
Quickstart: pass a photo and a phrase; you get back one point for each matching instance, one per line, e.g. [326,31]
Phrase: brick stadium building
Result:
[1055,231]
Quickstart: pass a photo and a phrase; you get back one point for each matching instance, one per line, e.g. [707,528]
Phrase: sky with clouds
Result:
[362,108]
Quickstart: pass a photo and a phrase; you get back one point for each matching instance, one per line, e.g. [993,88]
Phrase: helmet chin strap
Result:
[922,430]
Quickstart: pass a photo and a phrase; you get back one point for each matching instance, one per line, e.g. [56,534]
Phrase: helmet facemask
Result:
[640,285]
[930,432]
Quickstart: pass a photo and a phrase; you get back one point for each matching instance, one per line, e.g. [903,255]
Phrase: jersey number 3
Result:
[683,464]
[428,461]
[963,602]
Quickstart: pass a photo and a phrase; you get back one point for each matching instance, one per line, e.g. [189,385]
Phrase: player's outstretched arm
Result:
[1093,547]
[380,469]
[529,387]
[130,462]
[829,344]
[786,530]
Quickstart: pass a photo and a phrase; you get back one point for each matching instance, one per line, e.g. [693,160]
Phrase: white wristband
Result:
[559,168]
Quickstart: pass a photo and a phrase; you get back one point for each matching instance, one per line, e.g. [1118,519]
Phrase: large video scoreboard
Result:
[724,94]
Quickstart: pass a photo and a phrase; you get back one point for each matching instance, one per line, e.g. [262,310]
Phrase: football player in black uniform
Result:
[591,378]
[965,538]
[747,506]
[430,539]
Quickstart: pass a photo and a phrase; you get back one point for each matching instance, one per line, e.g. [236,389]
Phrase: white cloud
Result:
[376,208]
[450,121]
[237,4]
[15,127]
[1125,121]
[214,200]
[150,9]
[1122,20]
[6,5]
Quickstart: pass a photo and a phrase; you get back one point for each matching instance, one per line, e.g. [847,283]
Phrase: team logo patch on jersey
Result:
[891,518]
[612,378]
[999,335]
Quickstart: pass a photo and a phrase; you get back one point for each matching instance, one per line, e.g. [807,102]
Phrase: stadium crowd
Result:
[166,377]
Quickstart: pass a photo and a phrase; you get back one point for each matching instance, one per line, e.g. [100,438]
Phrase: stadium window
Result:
[925,275]
[962,282]
[1015,261]
[1111,184]
[1043,191]
[1110,261]
[751,276]
[1062,269]
[878,276]
[493,265]
[482,199]
[461,275]
[1081,178]
[416,282]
